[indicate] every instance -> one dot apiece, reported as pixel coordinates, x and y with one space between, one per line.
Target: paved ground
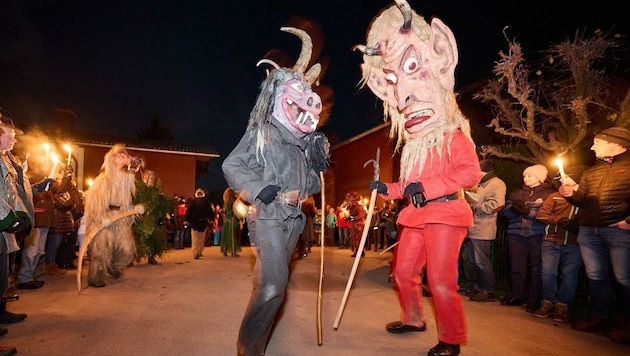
184 306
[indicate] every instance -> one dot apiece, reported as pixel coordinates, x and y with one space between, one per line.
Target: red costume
410 65
432 235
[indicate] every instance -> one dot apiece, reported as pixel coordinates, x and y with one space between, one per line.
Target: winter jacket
560 219
63 223
521 208
491 192
284 164
604 193
198 214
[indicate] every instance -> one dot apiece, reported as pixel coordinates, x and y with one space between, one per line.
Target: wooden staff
389 248
366 228
321 264
137 209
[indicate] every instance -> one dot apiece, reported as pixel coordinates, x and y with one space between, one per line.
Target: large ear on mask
444 52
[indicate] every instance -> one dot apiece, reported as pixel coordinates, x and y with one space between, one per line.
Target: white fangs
425 112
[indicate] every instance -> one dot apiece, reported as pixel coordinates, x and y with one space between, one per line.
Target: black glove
380 187
42 186
416 192
414 188
268 194
519 207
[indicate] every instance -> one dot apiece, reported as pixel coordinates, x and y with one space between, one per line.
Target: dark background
116 64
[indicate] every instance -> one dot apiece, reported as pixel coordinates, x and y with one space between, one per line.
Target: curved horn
268 61
307 48
313 73
404 7
368 51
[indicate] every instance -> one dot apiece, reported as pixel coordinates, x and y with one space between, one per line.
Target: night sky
116 64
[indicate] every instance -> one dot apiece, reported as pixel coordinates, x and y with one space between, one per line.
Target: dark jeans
467 271
565 260
521 250
601 248
483 264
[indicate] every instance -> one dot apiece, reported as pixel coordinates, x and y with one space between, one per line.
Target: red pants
437 247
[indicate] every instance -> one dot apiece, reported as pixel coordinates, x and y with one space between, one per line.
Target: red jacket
440 177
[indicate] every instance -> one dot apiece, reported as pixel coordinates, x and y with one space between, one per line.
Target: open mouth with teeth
302 119
417 117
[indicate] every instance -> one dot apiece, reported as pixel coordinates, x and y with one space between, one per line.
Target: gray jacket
284 165
491 191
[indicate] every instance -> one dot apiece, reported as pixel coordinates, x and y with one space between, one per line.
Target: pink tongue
415 121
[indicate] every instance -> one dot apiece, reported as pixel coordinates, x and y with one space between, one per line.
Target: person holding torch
604 231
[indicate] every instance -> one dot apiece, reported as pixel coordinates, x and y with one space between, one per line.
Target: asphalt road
184 306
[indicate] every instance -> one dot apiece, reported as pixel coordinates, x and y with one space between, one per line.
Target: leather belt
449 197
290 199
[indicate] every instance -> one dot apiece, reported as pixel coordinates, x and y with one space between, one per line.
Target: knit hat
538 170
486 165
618 135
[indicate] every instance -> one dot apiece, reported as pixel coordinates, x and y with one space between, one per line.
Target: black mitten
42 186
380 187
268 194
519 207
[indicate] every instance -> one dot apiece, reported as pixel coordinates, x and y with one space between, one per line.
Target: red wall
176 172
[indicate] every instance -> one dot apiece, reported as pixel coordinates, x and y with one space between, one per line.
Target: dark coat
604 192
198 214
524 222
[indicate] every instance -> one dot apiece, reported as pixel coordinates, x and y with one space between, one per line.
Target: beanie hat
486 165
538 170
618 135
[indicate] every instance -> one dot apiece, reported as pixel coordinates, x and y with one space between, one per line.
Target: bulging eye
297 86
410 65
391 78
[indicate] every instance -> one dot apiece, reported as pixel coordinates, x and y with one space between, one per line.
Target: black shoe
397 327
444 349
196 257
512 302
6 317
9 298
30 285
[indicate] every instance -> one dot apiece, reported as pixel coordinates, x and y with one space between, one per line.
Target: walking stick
366 229
321 264
389 248
106 222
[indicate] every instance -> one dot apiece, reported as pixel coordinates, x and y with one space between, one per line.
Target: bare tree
549 106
